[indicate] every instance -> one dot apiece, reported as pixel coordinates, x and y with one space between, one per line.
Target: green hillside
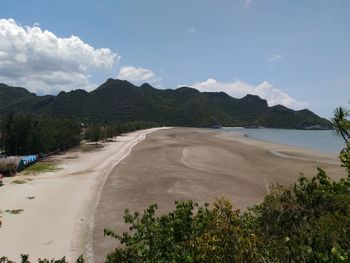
121 101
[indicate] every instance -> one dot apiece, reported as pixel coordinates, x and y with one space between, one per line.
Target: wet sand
198 164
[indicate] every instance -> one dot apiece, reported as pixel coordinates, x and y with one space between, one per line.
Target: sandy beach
198 164
63 213
53 212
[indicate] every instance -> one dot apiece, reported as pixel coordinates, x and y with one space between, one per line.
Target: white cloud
239 89
44 63
275 57
137 75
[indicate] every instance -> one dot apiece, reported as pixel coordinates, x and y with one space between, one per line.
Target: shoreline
285 150
246 132
88 256
198 164
55 209
64 216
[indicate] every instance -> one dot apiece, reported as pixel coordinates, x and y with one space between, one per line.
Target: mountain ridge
120 101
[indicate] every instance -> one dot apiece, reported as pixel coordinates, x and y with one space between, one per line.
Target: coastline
324 141
285 150
201 165
55 209
71 206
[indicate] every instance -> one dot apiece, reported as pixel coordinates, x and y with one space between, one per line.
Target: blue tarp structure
29 159
12 164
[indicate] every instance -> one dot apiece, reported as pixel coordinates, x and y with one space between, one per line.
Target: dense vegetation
25 134
22 134
118 101
308 221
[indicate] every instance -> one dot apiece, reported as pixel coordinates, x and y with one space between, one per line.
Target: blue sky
294 53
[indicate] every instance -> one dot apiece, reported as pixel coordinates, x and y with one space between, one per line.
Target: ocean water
324 141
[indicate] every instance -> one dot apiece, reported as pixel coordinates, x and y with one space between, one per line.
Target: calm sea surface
324 141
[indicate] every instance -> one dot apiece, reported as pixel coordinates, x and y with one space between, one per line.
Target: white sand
58 221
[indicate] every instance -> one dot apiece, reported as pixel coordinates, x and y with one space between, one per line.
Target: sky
294 53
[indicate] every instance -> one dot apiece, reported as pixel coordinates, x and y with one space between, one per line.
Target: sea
320 140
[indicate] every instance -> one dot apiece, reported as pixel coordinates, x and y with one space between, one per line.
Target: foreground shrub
191 233
306 222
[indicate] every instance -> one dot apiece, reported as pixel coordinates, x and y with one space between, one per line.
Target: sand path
55 210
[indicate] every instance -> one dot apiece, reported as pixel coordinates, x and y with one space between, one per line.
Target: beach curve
197 164
56 208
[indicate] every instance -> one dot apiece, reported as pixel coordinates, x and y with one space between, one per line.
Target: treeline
22 134
99 132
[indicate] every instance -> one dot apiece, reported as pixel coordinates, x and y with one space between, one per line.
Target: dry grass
41 167
71 157
14 211
19 181
91 147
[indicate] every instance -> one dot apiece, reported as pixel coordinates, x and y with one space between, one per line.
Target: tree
23 134
341 123
96 133
111 131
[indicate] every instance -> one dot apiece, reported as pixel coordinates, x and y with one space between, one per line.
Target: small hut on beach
11 165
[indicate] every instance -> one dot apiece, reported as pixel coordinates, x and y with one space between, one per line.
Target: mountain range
120 101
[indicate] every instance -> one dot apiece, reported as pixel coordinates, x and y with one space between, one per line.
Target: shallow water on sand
324 141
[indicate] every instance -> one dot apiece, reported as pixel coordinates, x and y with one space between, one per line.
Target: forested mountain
121 101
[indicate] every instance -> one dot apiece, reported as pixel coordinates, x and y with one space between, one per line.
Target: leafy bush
306 222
